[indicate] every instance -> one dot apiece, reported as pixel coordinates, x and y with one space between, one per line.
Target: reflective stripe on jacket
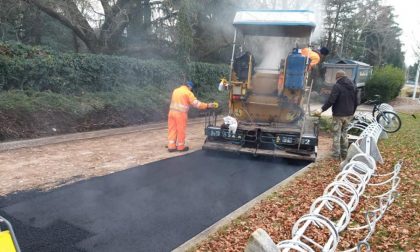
183 98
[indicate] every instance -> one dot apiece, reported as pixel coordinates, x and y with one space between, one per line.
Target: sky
408 18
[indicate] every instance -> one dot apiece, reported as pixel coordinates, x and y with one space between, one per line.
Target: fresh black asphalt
154 207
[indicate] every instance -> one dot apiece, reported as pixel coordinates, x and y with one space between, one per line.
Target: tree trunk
333 32
139 22
76 22
76 45
37 28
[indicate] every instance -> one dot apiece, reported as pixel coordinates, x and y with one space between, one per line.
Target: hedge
39 69
387 82
43 92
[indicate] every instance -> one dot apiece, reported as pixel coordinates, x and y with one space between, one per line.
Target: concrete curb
85 135
190 244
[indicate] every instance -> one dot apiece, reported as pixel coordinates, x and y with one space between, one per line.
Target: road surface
153 207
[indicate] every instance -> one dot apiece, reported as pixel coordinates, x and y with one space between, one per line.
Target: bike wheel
390 121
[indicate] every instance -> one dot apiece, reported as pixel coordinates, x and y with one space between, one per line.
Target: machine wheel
390 121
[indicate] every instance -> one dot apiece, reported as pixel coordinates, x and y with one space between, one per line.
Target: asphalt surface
154 207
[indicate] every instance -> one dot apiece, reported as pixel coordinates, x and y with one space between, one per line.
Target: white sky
409 20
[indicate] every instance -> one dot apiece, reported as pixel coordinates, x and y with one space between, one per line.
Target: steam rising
269 51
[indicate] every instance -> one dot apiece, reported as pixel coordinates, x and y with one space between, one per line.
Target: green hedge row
387 82
149 103
33 68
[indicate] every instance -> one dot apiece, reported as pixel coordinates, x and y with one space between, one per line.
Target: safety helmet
190 84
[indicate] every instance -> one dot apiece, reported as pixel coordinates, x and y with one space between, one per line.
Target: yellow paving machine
268 88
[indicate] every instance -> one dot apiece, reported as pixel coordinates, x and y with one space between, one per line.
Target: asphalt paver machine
268 88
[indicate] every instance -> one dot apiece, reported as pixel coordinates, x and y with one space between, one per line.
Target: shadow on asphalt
154 207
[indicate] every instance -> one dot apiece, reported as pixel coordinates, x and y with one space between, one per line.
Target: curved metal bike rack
330 214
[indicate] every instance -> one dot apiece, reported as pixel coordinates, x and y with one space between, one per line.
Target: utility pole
416 81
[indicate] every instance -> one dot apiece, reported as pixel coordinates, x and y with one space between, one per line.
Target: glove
213 105
317 112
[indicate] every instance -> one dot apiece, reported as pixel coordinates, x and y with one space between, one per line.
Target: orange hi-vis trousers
177 127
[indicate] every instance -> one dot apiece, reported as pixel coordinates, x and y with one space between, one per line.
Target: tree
72 14
411 71
338 15
212 30
19 22
363 30
102 26
204 31
185 35
382 39
11 20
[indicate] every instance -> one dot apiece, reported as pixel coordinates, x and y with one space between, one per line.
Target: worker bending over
182 99
314 56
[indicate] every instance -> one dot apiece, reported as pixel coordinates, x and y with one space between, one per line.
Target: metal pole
416 82
306 108
232 60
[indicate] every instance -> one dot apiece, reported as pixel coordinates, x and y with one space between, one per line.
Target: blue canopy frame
280 23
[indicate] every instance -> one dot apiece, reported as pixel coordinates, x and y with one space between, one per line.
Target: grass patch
326 124
149 99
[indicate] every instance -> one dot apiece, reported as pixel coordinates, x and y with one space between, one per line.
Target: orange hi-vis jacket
182 99
313 56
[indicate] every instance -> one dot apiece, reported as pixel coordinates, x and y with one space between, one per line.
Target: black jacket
343 98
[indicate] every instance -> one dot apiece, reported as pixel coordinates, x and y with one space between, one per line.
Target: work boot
186 148
171 150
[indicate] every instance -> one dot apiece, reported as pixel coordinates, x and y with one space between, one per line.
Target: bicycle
385 115
382 113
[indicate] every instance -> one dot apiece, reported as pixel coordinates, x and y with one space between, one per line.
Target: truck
268 88
359 72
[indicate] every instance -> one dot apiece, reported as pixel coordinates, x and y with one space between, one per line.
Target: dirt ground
406 105
49 166
53 165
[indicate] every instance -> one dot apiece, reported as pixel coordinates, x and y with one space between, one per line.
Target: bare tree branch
79 25
106 7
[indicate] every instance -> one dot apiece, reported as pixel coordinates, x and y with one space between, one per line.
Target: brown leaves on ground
398 230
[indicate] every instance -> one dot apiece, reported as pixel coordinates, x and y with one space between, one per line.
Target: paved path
154 207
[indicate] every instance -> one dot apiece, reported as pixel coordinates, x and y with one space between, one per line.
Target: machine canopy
279 23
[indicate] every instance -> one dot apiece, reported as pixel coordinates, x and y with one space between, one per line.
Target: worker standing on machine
182 99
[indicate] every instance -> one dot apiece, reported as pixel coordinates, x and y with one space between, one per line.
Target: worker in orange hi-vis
182 100
314 55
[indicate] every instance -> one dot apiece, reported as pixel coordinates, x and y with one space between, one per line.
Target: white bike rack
330 214
362 120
